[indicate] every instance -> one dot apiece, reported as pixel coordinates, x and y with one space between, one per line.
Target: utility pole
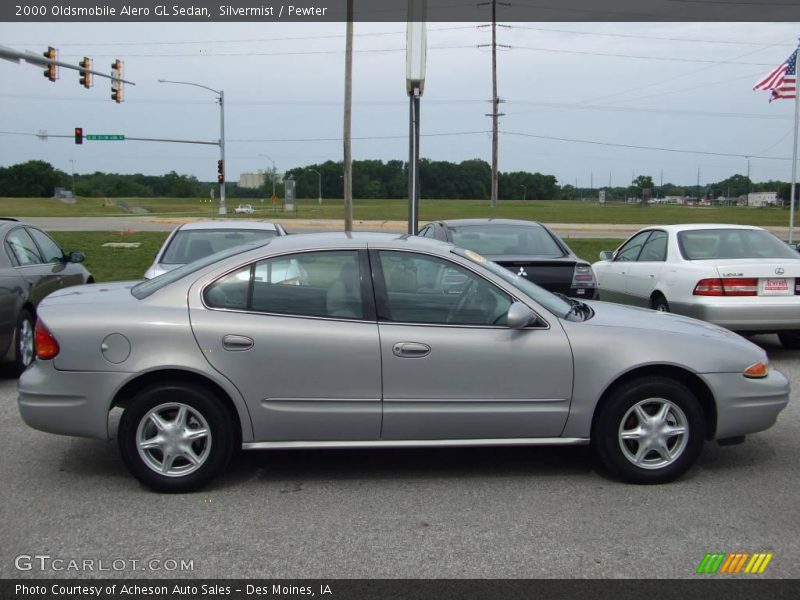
698 184
72 163
496 101
348 100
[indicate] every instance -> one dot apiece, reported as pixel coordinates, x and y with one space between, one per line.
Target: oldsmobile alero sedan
374 347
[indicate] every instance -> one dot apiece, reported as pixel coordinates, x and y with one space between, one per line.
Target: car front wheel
23 342
649 431
175 437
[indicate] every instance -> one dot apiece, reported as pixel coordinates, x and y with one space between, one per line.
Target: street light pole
72 162
524 191
221 99
319 176
273 172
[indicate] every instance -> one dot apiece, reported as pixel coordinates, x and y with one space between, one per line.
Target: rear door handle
237 343
411 350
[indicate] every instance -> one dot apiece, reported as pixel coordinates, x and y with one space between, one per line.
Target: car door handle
411 350
237 343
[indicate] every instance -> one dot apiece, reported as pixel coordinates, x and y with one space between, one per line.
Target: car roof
340 239
695 226
467 222
229 224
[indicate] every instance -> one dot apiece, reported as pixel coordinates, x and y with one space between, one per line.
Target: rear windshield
147 287
190 245
709 244
497 239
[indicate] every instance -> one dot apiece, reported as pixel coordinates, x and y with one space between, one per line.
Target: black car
527 248
31 266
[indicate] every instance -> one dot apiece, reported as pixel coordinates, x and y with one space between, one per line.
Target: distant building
674 199
252 180
759 199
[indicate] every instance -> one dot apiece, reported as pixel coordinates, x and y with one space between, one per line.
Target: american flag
781 82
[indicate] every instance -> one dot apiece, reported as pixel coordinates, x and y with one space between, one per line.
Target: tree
32 179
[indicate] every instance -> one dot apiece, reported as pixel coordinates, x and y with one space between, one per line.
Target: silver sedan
375 347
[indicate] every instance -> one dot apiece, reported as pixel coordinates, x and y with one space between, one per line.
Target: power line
641 57
626 109
284 53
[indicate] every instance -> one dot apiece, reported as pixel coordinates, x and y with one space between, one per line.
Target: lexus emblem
522 272
779 271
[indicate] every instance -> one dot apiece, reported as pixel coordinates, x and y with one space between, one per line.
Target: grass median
122 264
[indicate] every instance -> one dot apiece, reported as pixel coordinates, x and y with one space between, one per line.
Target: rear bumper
46 405
747 405
740 314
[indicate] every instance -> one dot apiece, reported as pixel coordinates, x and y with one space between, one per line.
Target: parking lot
496 513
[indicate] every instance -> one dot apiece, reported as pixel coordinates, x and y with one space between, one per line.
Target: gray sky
284 81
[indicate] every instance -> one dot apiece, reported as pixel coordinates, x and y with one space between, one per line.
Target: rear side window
655 250
707 244
631 250
317 284
21 249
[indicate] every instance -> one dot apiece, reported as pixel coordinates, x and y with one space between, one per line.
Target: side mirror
519 315
606 255
76 257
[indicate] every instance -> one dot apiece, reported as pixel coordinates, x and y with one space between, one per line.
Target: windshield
493 239
189 245
550 301
707 244
145 288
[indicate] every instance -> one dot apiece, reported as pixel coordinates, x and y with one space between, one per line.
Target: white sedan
244 209
740 277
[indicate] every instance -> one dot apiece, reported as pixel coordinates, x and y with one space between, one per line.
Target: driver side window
426 289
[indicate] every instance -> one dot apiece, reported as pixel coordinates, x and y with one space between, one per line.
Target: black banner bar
747 587
396 10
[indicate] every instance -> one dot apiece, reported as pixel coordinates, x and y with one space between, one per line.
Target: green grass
121 264
548 211
112 264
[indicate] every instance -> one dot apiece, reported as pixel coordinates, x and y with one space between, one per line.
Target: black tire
23 341
660 303
618 411
790 339
215 450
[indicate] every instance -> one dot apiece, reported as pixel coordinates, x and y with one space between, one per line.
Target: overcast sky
285 82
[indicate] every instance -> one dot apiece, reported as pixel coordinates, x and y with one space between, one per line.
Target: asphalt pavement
496 513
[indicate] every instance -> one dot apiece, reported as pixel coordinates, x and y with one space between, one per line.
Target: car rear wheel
23 341
660 303
649 431
790 339
175 437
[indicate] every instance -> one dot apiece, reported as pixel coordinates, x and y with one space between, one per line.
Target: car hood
608 314
117 292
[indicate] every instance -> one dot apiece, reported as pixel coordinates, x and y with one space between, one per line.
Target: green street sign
113 137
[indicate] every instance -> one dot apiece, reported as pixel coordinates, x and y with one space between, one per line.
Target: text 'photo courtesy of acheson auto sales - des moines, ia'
413 341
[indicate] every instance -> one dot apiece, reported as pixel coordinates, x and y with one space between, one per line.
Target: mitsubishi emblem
522 272
779 271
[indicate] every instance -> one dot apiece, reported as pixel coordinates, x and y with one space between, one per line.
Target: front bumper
743 314
67 402
747 405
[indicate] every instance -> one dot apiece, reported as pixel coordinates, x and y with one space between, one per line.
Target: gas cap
115 348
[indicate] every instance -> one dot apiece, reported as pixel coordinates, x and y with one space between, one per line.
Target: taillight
728 286
45 343
583 276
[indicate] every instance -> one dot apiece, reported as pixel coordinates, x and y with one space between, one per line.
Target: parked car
192 241
526 248
32 265
740 277
372 350
244 209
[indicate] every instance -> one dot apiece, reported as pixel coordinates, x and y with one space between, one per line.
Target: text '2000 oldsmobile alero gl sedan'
372 349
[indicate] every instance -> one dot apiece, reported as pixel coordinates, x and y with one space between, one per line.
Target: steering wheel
463 299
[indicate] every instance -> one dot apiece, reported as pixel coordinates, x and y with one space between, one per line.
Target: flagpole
794 146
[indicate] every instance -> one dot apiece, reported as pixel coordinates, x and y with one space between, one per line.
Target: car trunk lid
554 274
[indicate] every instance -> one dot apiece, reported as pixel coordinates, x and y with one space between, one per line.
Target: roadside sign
106 137
602 197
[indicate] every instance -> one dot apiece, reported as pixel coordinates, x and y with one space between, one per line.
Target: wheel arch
655 294
691 380
126 393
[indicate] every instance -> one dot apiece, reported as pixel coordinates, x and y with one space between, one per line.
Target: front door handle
411 350
237 343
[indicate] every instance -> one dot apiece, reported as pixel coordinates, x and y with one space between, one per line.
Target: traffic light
86 76
79 135
116 81
221 171
51 71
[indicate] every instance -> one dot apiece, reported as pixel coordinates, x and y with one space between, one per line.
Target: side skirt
553 441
